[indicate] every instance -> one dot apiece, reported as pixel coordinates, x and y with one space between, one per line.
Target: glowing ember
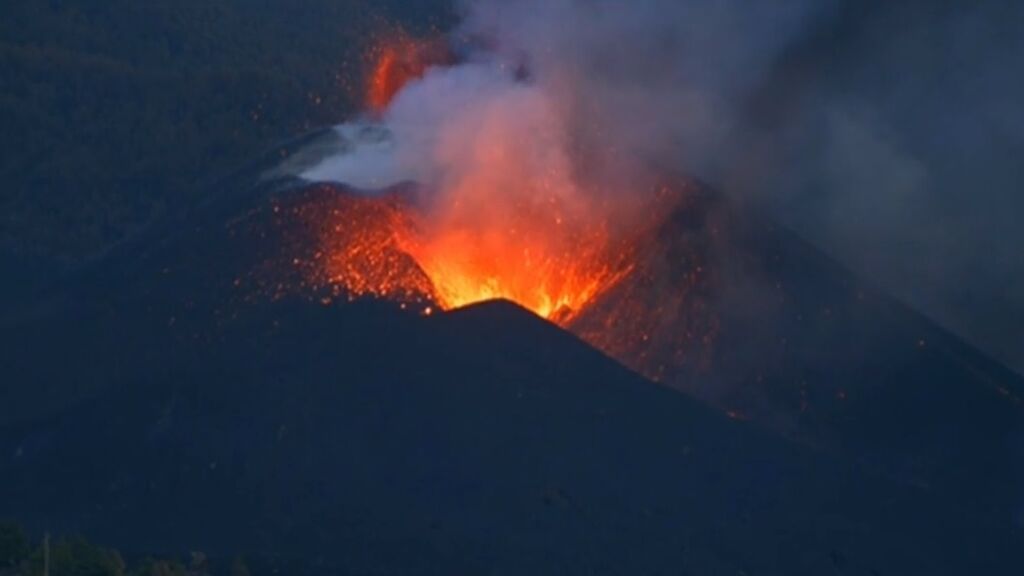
397 60
535 259
507 209
659 320
364 255
503 217
637 295
384 247
349 247
544 258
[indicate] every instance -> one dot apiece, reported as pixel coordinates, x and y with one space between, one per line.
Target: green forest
76 556
113 112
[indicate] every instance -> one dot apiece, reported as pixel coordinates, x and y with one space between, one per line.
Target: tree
77 557
238 567
153 567
14 546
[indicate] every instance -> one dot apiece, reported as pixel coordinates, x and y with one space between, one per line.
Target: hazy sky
891 134
895 139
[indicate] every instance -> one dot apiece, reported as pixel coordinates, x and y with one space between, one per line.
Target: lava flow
504 211
382 247
640 294
397 59
539 256
385 247
506 220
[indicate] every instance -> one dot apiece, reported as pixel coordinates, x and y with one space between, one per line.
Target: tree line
112 111
76 556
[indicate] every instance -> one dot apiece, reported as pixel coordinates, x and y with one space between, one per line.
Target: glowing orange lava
507 221
384 247
633 293
535 260
508 211
397 60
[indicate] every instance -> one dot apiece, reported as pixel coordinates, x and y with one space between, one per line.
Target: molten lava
363 251
504 217
395 61
384 247
534 257
505 208
641 293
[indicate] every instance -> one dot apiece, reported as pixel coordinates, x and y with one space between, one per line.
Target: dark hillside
162 408
114 112
365 440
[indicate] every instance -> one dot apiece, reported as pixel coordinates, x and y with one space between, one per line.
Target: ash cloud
652 78
889 134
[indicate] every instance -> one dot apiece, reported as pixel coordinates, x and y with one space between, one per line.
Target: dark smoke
890 134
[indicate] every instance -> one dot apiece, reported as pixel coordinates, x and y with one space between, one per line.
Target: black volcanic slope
155 406
483 441
804 348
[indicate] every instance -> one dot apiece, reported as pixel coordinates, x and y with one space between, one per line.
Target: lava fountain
501 213
507 204
396 59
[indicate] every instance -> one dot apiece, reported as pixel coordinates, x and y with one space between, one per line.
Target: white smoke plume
887 133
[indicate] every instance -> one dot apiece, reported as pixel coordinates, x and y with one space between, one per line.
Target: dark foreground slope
771 329
212 82
164 401
366 440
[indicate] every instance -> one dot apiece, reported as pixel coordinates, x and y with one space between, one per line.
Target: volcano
714 300
276 374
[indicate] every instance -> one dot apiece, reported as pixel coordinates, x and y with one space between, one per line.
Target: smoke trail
652 78
888 134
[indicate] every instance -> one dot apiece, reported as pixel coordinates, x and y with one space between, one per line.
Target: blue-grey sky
890 134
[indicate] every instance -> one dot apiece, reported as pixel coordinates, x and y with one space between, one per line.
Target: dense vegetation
114 111
76 556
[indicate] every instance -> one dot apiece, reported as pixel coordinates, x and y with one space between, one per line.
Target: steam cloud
891 135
